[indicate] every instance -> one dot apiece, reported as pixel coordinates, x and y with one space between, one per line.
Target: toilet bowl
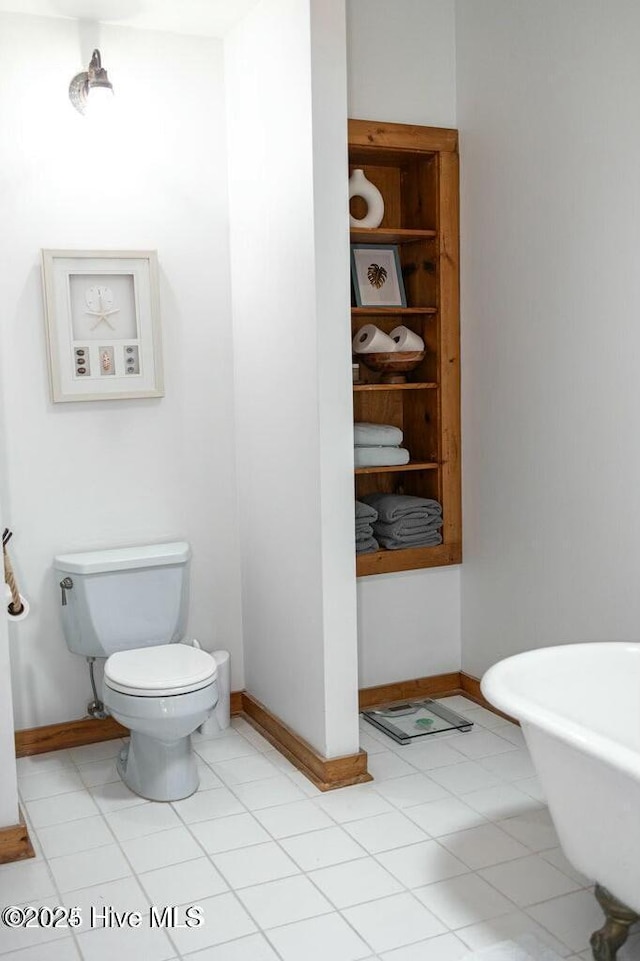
129 606
162 694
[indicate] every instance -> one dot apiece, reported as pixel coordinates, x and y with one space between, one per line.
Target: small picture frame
377 276
103 324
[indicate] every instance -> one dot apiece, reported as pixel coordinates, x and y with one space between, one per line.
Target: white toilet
130 606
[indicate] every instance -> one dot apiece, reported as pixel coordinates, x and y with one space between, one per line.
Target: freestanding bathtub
579 707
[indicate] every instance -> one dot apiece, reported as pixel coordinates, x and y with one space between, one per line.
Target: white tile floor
448 851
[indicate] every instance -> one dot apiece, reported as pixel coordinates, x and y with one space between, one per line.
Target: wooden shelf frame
431 229
389 235
391 311
398 469
415 385
410 559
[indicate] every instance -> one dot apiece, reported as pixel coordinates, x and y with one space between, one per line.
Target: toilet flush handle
65 585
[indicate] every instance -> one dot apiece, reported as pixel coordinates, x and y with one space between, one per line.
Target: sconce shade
83 83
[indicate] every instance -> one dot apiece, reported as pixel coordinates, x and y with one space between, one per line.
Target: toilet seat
160 671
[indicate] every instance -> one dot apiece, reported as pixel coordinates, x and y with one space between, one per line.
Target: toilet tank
124 598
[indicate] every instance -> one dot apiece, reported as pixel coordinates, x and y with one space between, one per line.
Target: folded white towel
380 456
376 435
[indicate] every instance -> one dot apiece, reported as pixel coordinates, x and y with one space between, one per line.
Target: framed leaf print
377 276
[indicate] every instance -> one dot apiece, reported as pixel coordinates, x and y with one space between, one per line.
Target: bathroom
549 208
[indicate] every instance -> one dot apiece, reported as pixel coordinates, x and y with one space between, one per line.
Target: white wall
286 88
401 61
401 67
8 783
89 475
409 625
551 300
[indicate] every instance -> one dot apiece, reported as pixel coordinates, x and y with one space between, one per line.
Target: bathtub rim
495 687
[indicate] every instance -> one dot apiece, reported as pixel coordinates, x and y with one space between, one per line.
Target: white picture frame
376 274
102 319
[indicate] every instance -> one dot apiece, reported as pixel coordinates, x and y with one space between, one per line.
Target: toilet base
159 770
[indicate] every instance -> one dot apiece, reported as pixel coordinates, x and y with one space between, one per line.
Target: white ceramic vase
359 186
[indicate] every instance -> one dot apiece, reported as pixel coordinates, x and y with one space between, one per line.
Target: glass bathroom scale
413 719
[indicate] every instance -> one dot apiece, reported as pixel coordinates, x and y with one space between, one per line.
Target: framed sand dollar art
103 324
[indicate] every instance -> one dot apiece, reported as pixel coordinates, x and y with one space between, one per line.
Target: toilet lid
160 671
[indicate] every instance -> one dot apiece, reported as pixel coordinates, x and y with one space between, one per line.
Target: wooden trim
15 844
438 685
236 702
326 773
449 350
87 730
57 737
470 687
401 136
409 559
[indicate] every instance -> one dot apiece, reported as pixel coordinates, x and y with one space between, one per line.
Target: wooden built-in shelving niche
416 170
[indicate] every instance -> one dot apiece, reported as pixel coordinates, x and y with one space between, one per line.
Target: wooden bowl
393 365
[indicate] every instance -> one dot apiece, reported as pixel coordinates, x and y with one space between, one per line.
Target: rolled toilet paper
221 717
371 340
406 339
223 707
20 616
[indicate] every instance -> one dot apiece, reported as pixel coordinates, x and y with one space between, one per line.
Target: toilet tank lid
123 558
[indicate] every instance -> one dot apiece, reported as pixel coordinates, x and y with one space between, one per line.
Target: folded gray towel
368 546
366 512
363 534
376 435
380 456
364 527
392 507
409 527
421 540
408 539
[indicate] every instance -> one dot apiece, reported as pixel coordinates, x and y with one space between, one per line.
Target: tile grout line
58 893
315 800
470 871
302 873
209 857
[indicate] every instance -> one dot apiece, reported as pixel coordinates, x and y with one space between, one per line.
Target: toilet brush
15 606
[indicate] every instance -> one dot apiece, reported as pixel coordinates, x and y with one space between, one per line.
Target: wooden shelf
412 465
416 171
412 558
372 141
371 311
415 386
388 235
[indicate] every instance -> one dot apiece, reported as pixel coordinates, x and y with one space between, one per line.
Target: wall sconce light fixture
93 81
